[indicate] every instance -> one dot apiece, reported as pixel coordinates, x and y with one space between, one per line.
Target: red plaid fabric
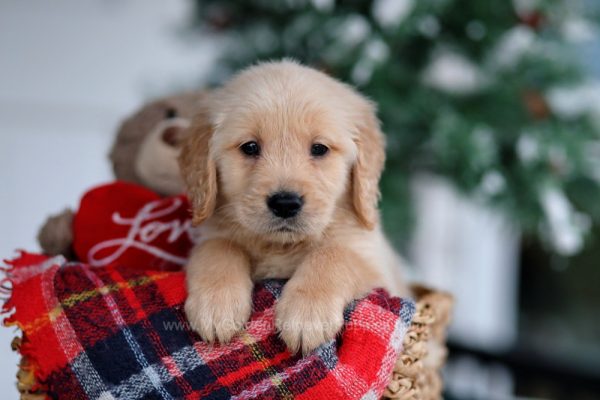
117 333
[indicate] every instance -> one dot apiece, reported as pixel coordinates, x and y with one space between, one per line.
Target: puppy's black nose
285 204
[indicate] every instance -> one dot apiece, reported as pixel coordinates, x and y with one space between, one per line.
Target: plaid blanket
117 333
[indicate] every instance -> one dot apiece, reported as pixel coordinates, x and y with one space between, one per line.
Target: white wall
69 71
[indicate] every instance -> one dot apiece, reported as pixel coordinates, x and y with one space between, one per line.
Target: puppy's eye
170 113
318 150
251 149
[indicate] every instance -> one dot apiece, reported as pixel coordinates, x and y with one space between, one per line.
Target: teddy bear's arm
56 235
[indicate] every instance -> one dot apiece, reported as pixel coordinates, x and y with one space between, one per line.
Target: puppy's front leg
219 290
310 311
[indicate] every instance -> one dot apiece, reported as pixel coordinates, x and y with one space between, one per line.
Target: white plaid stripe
260 329
391 355
347 378
368 316
349 381
135 347
82 367
257 390
136 386
370 395
188 359
24 273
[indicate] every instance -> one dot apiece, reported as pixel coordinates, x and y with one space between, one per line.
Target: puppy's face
283 147
283 165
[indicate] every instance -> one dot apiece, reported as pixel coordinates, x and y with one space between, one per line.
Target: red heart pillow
124 224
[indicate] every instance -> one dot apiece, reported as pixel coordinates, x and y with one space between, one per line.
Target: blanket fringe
28 377
27 383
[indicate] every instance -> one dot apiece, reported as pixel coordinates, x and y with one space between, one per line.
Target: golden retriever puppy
282 169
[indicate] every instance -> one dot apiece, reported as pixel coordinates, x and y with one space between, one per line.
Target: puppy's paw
306 321
218 314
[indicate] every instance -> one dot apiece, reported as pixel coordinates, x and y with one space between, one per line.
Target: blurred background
492 115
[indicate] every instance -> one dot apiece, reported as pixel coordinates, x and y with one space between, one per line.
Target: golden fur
333 251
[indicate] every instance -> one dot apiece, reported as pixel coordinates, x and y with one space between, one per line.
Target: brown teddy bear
145 152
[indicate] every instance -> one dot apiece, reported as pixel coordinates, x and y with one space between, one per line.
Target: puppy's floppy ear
198 168
367 169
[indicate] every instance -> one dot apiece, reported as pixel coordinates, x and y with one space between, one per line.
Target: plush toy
144 152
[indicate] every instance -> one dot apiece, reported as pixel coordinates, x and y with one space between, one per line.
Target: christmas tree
491 95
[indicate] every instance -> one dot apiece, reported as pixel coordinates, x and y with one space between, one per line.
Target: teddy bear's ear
198 168
129 139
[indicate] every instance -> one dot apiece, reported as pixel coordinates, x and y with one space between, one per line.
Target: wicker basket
416 375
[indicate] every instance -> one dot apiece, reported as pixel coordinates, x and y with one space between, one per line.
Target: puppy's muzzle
285 204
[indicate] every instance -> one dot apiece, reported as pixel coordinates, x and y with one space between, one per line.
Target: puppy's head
280 148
